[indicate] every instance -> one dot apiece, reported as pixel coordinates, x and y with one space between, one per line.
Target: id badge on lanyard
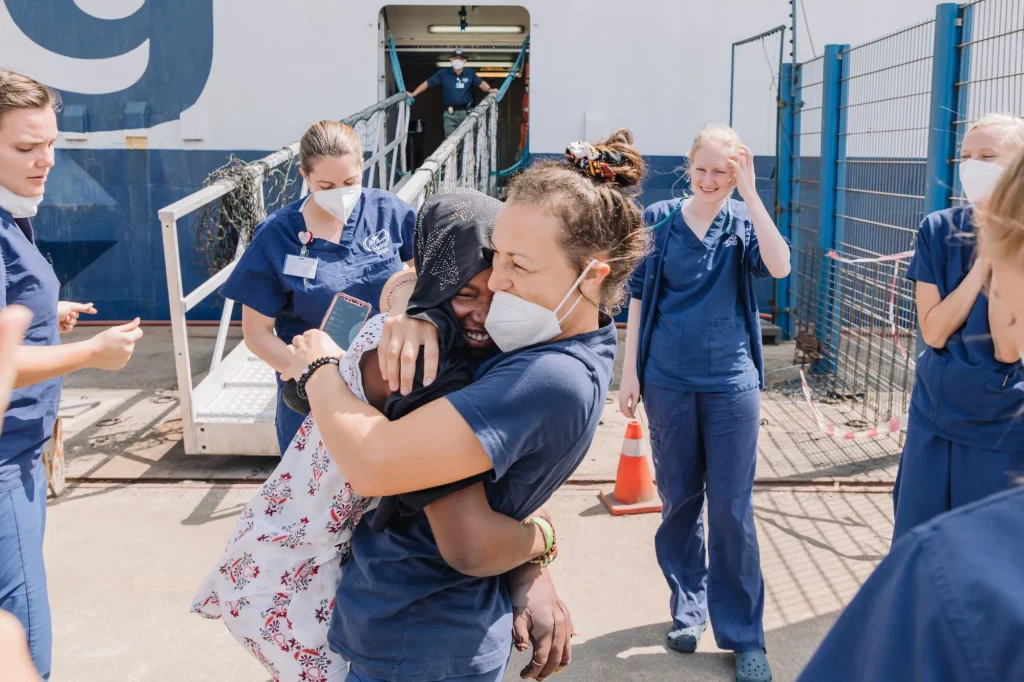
302 265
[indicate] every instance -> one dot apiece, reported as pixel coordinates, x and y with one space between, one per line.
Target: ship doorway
425 37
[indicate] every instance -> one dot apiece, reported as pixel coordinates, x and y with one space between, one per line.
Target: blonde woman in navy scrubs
340 238
693 351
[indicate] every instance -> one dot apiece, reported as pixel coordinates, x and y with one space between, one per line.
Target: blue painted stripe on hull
99 222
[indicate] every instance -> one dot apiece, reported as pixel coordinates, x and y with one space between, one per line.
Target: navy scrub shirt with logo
457 87
376 241
401 612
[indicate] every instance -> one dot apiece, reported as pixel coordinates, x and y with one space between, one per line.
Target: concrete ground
124 562
129 542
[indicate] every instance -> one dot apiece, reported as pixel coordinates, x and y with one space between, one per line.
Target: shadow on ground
637 655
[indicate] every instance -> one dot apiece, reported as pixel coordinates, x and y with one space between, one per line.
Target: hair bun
611 161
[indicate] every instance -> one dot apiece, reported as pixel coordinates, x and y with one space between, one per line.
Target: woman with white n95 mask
947 603
342 237
401 614
962 441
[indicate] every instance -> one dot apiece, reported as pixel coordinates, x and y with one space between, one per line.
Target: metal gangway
231 411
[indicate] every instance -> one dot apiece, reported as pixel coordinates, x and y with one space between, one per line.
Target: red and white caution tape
875 259
894 425
896 258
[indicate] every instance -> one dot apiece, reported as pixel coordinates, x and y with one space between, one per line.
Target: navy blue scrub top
946 604
962 393
376 240
457 88
26 278
700 340
402 613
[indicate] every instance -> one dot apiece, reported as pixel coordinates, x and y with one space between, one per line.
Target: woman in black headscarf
275 577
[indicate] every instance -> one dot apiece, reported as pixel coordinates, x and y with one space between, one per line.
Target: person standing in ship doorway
457 82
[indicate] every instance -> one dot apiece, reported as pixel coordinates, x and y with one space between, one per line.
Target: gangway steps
240 397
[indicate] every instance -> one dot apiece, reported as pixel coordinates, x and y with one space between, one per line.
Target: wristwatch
300 385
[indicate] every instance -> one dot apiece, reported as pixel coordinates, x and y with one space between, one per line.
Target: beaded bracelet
550 541
300 385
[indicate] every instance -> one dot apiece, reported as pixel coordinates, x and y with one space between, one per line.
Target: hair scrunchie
595 161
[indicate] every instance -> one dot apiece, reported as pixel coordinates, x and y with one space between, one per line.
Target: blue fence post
831 101
942 115
784 182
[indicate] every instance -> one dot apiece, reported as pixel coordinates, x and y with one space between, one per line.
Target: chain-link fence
876 129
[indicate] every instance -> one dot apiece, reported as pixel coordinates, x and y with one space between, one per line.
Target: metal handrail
420 185
181 303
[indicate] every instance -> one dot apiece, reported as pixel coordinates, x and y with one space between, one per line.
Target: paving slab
124 561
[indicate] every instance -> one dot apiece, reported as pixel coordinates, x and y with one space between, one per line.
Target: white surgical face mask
18 206
340 201
978 178
457 64
516 323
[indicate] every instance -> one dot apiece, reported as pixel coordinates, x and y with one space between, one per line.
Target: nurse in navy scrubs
693 353
340 238
28 130
963 443
564 245
947 603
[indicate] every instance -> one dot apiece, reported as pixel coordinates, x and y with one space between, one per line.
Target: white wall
660 67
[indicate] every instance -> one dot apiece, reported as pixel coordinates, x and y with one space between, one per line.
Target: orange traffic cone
634 489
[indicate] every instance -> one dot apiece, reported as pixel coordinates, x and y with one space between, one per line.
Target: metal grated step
246 396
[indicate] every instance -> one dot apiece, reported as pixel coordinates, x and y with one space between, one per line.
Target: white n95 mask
19 206
458 64
978 178
515 323
340 201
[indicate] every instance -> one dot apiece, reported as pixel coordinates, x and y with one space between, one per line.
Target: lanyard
730 220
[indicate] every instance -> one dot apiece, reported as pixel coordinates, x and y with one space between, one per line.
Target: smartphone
344 319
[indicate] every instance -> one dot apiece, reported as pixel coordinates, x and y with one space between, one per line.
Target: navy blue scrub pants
937 475
22 574
287 421
705 445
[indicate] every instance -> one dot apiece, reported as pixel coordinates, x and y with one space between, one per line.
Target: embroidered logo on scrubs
379 243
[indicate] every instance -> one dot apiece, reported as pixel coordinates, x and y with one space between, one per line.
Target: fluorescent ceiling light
479 65
492 74
455 28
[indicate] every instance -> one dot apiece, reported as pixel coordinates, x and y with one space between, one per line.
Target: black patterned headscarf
453 245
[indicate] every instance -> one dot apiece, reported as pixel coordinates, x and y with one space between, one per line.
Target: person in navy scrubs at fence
962 441
947 603
457 83
693 354
340 238
28 130
564 245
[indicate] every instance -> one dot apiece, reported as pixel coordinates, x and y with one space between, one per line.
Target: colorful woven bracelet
550 540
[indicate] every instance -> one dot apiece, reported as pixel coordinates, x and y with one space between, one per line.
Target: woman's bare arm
478 541
939 317
431 446
258 332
